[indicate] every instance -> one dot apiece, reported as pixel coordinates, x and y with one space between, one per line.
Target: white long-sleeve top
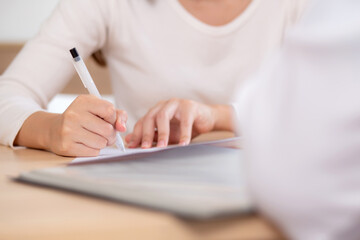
155 50
300 117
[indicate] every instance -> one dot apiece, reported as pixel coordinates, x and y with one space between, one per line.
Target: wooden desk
32 212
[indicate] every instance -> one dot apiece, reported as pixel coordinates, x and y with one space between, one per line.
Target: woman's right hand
88 125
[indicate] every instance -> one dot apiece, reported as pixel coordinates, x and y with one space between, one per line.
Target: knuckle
152 112
102 143
79 98
65 132
186 123
203 129
135 134
83 98
158 104
110 111
185 139
123 114
147 137
138 126
172 100
188 102
163 136
135 138
108 130
161 102
152 109
69 117
162 115
148 118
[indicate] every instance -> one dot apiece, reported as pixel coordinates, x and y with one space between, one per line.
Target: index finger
163 122
101 108
186 125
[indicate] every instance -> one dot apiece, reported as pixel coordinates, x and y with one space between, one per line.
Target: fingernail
182 143
161 143
145 144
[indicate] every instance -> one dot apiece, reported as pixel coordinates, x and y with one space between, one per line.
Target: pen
89 84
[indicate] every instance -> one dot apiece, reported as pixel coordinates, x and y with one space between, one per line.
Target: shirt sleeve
44 65
300 119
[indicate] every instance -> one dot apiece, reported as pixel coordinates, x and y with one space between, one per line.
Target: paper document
109 153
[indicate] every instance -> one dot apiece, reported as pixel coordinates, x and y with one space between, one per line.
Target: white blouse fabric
155 50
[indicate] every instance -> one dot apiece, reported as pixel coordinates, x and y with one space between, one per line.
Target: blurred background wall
21 19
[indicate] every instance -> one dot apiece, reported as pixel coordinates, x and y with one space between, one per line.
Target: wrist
224 118
36 130
48 121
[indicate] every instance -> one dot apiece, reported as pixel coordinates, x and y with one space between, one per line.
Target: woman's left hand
173 121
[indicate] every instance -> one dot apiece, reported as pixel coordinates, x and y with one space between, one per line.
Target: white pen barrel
88 82
86 77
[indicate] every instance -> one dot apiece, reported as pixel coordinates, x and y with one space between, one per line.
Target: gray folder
197 181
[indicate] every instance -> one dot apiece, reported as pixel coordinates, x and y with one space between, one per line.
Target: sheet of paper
108 153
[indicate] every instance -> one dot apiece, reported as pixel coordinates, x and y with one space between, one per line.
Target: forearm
35 131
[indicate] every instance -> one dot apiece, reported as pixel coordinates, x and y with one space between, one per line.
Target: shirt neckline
214 30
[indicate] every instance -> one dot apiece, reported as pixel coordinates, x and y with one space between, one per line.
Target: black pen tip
74 53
